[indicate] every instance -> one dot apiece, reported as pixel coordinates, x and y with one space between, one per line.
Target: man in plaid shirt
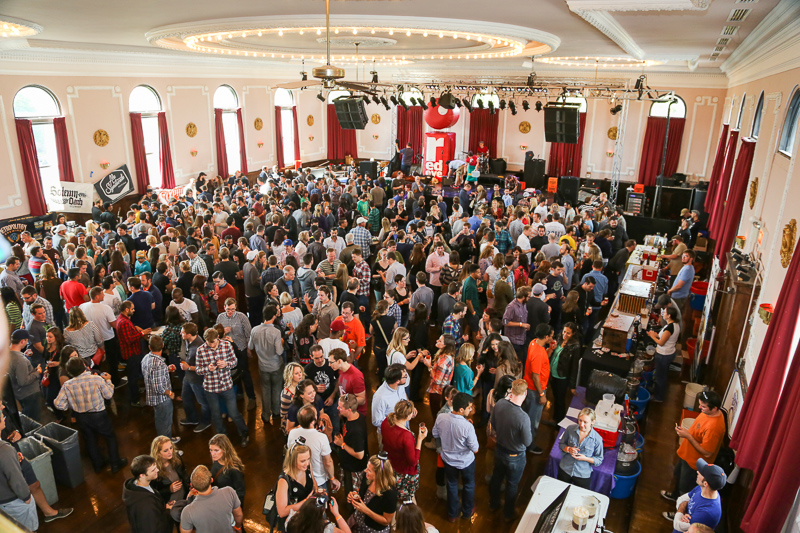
394 310
503 242
237 326
157 388
361 235
214 362
452 324
130 346
363 274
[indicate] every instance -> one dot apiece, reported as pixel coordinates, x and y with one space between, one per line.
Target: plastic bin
691 348
67 464
697 296
39 455
647 378
29 425
642 398
624 485
690 395
639 444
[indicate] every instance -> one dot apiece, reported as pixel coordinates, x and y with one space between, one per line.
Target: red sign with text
439 149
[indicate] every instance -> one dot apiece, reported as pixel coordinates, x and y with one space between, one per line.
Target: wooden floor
98 503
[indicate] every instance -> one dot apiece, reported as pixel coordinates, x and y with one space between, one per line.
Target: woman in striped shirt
292 375
83 335
13 308
441 367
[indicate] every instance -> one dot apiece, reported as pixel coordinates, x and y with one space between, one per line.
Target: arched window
225 98
789 130
677 109
756 128
145 100
574 100
333 95
741 112
40 106
485 97
284 102
406 97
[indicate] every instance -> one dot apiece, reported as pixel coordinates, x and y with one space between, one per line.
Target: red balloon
440 118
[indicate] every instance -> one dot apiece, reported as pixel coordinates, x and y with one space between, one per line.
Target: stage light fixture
479 101
374 76
404 104
320 97
376 99
305 76
365 98
640 85
467 105
447 100
433 101
457 102
393 99
525 105
538 106
513 107
502 104
616 109
413 101
492 110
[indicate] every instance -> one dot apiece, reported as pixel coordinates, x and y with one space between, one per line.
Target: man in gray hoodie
15 496
23 377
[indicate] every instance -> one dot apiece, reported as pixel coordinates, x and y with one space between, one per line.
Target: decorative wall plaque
100 137
753 192
375 118
612 133
310 120
258 124
524 126
191 129
787 242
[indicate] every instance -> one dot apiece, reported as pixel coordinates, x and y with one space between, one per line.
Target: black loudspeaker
561 124
497 166
534 174
528 155
351 113
568 187
369 168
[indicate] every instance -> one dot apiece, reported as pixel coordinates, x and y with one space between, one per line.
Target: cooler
649 273
607 422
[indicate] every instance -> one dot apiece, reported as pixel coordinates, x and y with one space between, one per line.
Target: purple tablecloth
602 480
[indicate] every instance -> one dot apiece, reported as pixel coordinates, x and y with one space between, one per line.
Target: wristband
338 517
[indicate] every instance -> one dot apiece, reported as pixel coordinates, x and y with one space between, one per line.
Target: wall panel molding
14 200
171 92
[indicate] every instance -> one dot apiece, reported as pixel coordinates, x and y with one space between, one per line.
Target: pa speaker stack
351 113
561 123
568 187
369 168
534 174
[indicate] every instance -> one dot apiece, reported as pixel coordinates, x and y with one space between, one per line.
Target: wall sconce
765 311
104 164
609 154
523 147
375 137
310 137
193 152
260 143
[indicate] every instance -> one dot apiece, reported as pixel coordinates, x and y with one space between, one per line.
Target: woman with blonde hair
48 286
302 241
581 450
295 483
173 479
464 378
340 281
402 448
375 503
292 375
396 351
85 337
227 469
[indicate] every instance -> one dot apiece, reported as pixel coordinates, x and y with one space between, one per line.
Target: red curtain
296 135
653 148
222 155
30 167
409 127
770 418
242 150
483 127
279 137
139 157
721 190
565 158
716 171
62 146
167 173
340 142
733 206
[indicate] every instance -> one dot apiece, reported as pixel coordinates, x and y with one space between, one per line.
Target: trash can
624 485
39 456
29 425
697 295
690 395
67 464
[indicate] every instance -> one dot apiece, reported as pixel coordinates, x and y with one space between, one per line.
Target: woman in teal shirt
564 368
464 379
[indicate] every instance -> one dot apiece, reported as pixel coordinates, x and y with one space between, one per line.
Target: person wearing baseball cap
538 312
701 505
361 235
335 341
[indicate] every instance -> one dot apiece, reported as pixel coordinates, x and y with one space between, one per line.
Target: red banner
439 149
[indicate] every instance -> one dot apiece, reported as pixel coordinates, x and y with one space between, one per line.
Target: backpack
726 457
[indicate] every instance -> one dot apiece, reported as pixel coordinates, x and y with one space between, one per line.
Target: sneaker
175 440
668 495
245 441
536 450
62 513
202 427
122 382
136 404
668 516
186 422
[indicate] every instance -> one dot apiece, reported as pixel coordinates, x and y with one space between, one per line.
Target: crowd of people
483 303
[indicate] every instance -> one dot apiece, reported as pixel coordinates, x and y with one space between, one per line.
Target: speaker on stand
534 175
369 168
568 187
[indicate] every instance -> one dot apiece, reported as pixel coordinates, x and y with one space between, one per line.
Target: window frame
287 123
741 112
230 126
671 114
152 149
755 127
790 124
50 174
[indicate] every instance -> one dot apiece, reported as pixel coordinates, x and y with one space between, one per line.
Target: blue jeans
163 413
191 392
509 467
451 475
534 413
32 406
271 385
661 375
363 300
228 397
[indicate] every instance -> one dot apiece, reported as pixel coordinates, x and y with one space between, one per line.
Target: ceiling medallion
12 28
258 124
753 192
375 118
100 137
191 129
524 126
612 133
360 40
787 243
310 120
601 62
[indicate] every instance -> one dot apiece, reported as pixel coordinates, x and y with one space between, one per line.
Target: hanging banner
12 228
69 197
439 149
115 186
165 195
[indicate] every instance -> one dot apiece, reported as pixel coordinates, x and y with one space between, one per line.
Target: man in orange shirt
537 374
701 441
354 334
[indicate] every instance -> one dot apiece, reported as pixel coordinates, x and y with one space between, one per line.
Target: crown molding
609 27
637 5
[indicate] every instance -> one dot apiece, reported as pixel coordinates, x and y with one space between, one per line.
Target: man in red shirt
536 375
351 380
482 148
354 334
73 291
130 347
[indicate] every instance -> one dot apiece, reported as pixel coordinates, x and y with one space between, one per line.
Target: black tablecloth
609 363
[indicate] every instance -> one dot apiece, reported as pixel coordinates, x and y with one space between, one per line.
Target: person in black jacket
173 479
227 469
616 267
564 368
147 511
